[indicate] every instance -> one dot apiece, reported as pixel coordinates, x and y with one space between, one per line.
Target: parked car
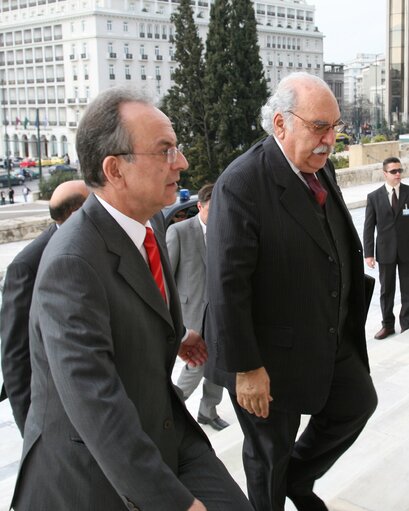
27 162
31 173
56 160
14 180
62 168
184 207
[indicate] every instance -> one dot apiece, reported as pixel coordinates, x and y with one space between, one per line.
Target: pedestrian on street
11 196
3 198
285 324
26 191
387 210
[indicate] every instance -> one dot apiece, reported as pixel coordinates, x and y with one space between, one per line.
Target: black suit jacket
16 301
392 232
273 280
104 411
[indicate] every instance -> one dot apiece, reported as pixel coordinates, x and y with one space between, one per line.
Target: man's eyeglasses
318 127
394 171
170 154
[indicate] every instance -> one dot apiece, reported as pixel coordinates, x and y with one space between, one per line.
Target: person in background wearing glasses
388 210
106 428
285 321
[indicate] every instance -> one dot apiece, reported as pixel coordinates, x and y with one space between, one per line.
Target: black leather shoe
308 502
217 423
384 333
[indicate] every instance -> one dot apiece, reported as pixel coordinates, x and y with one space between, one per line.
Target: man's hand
370 261
193 350
197 506
253 391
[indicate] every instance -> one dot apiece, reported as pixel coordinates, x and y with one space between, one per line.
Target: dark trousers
276 465
387 278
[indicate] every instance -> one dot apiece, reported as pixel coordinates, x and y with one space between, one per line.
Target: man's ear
279 127
112 172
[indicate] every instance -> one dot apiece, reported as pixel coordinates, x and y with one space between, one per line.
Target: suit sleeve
369 228
81 353
15 355
232 254
173 244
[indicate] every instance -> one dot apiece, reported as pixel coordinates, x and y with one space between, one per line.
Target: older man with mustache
287 305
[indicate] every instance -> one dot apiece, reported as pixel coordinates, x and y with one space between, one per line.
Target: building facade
56 55
334 77
397 61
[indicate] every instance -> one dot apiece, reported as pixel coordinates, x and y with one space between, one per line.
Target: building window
127 73
111 71
125 26
83 25
109 25
141 29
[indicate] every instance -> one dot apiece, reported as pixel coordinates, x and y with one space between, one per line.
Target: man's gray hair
101 131
285 98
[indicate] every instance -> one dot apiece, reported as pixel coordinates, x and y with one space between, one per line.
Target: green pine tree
248 76
184 103
234 78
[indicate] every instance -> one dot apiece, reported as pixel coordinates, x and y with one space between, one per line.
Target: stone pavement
372 476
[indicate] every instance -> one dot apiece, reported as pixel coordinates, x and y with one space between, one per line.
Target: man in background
186 243
16 301
387 210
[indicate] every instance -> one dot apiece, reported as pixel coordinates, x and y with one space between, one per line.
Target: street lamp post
6 137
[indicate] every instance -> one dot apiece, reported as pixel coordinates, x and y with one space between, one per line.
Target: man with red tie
387 210
286 315
106 428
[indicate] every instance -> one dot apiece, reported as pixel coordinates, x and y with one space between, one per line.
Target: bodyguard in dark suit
106 428
388 210
16 301
285 320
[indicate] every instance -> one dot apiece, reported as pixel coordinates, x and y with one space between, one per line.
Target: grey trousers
189 379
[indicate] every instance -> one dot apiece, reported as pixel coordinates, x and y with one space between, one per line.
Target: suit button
330 259
332 330
167 424
334 294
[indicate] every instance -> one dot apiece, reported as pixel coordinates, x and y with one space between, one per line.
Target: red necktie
320 194
155 266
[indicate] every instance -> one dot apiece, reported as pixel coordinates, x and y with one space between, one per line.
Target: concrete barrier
24 228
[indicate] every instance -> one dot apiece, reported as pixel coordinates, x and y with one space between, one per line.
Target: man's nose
329 137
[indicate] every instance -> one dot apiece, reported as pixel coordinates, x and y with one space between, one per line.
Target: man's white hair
285 98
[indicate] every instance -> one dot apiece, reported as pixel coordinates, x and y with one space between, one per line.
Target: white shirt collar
389 188
134 229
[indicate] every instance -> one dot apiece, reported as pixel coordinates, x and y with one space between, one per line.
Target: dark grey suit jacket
392 232
100 432
273 280
16 301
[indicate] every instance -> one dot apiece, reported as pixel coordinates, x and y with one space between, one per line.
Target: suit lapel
131 265
293 196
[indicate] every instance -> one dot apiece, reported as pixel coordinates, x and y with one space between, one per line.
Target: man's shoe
308 502
217 423
384 333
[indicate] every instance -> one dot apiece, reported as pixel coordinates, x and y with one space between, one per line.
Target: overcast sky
350 27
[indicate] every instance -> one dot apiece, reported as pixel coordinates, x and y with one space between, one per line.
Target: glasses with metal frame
394 171
170 154
318 127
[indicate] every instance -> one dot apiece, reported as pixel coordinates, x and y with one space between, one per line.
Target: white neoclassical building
56 55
